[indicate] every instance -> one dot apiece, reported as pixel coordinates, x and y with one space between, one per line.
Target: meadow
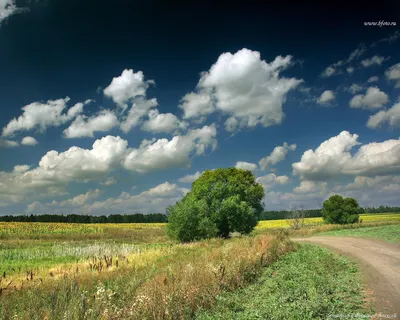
133 271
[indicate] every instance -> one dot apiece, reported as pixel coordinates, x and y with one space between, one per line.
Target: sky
117 107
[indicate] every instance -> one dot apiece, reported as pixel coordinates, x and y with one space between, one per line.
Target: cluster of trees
284 214
76 218
380 209
312 213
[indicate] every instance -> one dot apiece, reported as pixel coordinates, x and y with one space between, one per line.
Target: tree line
312 213
161 217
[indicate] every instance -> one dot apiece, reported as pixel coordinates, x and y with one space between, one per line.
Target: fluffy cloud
244 87
127 86
311 187
84 126
326 97
196 105
393 74
190 178
7 8
162 122
278 154
373 60
350 70
271 179
390 116
38 115
21 168
373 99
153 200
5 143
246 165
29 141
372 191
164 153
137 112
373 79
57 169
333 158
77 204
354 88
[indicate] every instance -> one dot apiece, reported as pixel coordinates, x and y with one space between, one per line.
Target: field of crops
37 229
365 218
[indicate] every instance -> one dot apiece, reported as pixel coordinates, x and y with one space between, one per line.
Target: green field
390 233
311 283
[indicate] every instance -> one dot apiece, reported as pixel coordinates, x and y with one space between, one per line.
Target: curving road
380 265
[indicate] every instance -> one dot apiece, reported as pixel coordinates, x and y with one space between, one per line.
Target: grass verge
390 233
311 283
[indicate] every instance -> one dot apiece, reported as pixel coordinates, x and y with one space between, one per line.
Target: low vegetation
311 283
390 233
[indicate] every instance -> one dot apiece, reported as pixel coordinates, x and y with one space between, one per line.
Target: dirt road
380 265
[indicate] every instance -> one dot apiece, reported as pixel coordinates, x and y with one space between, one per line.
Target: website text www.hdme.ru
380 23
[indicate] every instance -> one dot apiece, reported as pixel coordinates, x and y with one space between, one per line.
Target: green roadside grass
390 233
310 283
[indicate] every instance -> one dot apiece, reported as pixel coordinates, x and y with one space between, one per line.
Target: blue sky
117 109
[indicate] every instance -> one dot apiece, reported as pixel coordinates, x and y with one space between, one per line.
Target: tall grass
169 282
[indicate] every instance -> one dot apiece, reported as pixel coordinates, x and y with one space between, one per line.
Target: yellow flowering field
270 224
131 225
44 228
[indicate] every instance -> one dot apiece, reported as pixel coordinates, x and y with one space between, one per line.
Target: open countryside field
366 218
120 271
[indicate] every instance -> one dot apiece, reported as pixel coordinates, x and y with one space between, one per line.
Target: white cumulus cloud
84 126
393 74
246 165
190 178
162 122
29 141
127 86
164 153
373 99
333 158
244 87
277 155
326 97
40 115
390 116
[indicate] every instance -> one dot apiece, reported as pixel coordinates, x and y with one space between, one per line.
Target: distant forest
161 217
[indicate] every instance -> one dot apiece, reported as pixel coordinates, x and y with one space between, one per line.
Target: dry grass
170 282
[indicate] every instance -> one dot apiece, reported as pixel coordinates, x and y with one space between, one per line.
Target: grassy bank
311 283
390 233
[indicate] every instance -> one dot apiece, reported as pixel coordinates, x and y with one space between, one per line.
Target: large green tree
221 201
340 211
